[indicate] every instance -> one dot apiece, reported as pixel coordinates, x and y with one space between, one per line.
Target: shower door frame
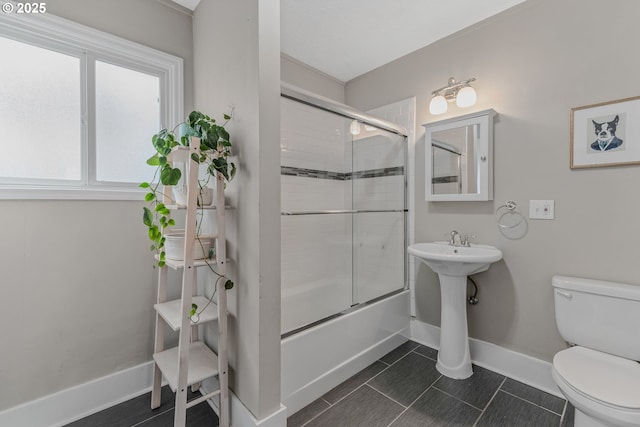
304 97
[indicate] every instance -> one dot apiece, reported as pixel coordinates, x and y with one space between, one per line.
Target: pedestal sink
453 264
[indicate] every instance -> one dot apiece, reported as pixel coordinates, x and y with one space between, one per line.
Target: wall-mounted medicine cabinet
459 158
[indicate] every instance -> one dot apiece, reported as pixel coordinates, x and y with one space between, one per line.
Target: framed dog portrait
606 134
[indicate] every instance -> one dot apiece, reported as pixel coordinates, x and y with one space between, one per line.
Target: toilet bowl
600 386
600 375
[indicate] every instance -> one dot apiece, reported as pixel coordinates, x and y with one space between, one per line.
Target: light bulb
466 97
438 105
354 128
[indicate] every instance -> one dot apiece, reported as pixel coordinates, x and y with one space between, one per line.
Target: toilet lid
610 379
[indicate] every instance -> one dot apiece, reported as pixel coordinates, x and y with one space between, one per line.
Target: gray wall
533 64
147 22
237 62
78 284
76 295
305 77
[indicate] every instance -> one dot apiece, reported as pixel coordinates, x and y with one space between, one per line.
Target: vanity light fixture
460 92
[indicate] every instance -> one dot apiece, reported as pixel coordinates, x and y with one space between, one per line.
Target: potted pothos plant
215 149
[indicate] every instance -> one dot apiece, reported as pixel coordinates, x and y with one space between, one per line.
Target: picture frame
605 134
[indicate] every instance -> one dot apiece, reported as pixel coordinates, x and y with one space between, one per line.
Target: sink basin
453 264
443 258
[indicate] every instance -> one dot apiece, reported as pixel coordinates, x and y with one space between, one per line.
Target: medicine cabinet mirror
459 158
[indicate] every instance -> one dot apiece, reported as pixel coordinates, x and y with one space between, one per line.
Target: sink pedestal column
454 360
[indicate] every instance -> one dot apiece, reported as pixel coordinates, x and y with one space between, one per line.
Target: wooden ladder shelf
192 361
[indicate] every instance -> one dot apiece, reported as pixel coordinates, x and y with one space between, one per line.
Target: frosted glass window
77 113
127 115
40 110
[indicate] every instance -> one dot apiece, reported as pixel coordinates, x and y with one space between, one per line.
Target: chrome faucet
463 239
452 242
466 239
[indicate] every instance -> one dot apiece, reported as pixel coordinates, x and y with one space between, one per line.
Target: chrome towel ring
510 208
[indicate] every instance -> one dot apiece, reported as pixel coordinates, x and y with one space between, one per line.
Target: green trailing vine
215 148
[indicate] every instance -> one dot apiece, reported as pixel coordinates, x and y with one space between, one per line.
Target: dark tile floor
137 412
404 389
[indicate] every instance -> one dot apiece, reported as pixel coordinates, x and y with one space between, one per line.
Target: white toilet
600 375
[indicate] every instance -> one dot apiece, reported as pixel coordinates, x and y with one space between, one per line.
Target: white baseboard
240 415
518 366
72 404
77 402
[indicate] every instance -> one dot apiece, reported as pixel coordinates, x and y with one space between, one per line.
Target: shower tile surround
341 176
318 172
403 389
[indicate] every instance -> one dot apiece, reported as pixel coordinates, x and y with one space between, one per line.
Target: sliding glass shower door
343 214
378 223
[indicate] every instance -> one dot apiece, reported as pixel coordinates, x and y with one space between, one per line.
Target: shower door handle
337 211
341 211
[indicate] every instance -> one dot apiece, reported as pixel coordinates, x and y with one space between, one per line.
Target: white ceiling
189 4
347 38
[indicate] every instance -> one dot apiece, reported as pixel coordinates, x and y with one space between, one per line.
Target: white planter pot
205 198
174 246
180 195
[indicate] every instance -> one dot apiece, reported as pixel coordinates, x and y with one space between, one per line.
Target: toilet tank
600 315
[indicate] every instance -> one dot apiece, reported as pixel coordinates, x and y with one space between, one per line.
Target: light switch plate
541 209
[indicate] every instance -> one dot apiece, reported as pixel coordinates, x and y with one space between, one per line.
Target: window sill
70 193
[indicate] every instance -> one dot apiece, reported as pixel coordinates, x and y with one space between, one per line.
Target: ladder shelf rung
203 364
202 398
183 207
179 264
170 311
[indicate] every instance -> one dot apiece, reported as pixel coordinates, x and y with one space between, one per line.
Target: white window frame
58 34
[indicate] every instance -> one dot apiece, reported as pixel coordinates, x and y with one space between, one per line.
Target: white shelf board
182 207
179 264
181 231
203 364
179 153
170 311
